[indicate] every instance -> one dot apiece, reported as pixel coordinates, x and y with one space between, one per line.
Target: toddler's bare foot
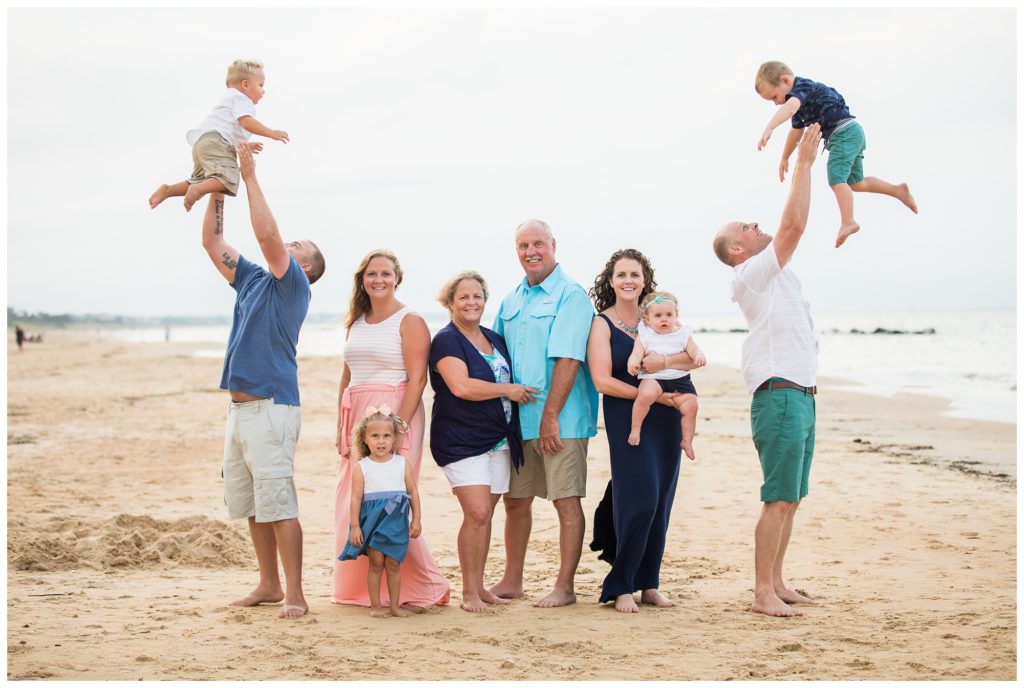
626 604
378 612
160 195
906 198
654 596
688 449
412 609
191 196
634 438
399 611
845 231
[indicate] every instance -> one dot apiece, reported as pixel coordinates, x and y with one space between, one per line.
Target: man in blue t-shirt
545 322
261 375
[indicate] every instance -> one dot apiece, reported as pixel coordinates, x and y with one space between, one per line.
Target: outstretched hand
807 149
764 139
246 163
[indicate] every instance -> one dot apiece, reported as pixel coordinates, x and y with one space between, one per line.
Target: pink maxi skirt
423 584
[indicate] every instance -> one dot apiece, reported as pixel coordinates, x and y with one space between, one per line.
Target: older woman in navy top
474 424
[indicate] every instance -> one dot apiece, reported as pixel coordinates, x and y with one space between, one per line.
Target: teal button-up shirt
541 324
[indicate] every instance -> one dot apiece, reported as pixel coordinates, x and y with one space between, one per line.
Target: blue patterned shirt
819 104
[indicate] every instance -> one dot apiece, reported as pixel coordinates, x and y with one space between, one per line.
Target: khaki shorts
215 158
551 477
259 460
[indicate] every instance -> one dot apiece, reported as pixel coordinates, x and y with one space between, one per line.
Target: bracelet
403 427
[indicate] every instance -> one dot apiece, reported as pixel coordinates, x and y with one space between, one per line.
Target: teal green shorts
846 155
782 423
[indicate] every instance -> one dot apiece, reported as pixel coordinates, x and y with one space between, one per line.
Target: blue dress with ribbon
384 520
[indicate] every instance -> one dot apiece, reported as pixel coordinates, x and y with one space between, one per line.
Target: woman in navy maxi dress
644 477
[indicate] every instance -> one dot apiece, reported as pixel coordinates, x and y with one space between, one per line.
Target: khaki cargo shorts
214 158
259 460
551 477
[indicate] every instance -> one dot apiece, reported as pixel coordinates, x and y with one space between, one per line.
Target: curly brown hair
360 301
602 293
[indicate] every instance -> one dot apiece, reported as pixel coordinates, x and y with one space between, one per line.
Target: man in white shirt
779 361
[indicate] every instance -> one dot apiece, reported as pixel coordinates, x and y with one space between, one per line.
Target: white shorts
259 458
492 468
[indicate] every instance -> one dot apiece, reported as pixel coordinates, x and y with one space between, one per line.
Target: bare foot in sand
506 591
378 612
626 604
634 438
845 231
792 596
159 196
411 608
556 598
403 612
293 611
654 596
688 450
473 603
490 598
772 606
259 596
191 196
906 198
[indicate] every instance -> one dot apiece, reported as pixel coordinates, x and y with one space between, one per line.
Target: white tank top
383 477
374 352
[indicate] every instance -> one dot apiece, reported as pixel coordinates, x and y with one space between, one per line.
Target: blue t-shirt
260 359
541 324
818 104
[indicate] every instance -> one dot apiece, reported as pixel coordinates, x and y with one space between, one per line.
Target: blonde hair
359 446
770 73
448 289
658 296
240 70
360 301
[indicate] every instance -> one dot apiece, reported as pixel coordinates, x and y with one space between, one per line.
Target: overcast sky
434 132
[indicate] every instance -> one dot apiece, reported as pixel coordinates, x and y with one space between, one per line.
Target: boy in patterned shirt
809 102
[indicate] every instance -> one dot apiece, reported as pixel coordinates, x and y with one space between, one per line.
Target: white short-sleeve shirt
669 343
782 341
224 118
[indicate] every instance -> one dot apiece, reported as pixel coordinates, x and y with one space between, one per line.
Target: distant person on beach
780 363
232 122
631 521
474 424
385 510
808 102
659 331
19 336
546 321
261 375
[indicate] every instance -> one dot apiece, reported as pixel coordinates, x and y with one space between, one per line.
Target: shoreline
121 561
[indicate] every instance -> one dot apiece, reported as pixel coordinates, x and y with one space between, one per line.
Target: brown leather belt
786 384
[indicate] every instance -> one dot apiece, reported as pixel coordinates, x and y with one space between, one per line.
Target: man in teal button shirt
545 322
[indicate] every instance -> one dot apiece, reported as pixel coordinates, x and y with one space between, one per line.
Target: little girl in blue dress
383 490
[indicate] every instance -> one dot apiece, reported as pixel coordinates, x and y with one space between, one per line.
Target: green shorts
782 423
846 155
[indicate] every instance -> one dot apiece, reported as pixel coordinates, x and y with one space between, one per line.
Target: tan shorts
259 460
551 477
214 158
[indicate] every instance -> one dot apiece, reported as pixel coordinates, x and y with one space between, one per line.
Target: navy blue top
460 428
260 359
818 103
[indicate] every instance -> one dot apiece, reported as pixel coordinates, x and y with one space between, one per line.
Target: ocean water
970 360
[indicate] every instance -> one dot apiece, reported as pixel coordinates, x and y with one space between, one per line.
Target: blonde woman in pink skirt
386 349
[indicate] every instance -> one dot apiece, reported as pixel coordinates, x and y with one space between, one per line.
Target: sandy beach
121 561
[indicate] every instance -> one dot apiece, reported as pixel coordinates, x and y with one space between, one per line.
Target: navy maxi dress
643 484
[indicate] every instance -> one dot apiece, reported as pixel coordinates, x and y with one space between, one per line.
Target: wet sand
121 561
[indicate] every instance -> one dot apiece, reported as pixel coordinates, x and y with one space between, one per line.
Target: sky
434 132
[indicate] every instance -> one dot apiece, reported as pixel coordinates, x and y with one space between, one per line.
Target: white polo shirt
782 341
224 119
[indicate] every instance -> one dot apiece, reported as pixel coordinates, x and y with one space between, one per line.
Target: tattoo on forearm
230 262
218 211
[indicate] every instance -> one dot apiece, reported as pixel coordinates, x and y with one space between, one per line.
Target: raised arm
785 111
254 126
787 150
798 205
223 254
263 224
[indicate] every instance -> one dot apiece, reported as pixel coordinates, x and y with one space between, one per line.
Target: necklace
627 328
